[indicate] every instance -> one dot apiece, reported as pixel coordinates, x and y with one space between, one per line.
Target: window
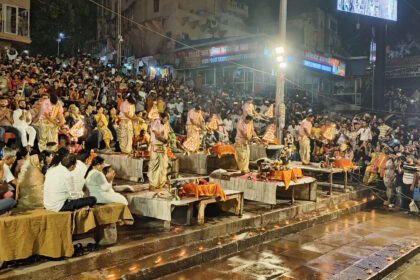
10 19
23 22
156 6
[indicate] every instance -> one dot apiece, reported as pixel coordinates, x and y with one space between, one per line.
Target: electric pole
280 107
119 37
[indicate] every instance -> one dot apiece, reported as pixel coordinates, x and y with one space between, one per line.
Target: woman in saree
30 184
103 127
50 120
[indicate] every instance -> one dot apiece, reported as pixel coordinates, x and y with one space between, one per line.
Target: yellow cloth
242 154
192 144
158 167
139 126
210 189
104 214
270 112
161 106
30 186
36 232
48 132
316 132
369 176
269 135
286 176
191 129
103 127
125 136
305 150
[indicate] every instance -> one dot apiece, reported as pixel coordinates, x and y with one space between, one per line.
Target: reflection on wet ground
408 271
316 253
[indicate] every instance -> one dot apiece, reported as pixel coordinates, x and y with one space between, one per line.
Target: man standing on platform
127 116
248 109
244 134
305 132
158 164
195 120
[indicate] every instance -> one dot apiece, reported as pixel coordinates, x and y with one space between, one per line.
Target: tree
75 18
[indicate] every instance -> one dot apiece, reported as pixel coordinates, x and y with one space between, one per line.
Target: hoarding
325 64
385 9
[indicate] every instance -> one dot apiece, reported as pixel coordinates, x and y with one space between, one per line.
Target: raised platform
125 166
314 168
143 243
204 164
146 204
268 191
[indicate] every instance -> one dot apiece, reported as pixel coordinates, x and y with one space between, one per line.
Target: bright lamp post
280 55
280 107
61 36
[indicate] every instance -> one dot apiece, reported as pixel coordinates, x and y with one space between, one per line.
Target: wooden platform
204 164
269 191
145 204
314 168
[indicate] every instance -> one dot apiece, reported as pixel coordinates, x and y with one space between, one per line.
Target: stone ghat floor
344 249
408 271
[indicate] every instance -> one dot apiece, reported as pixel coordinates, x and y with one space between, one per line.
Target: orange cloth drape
286 176
269 136
192 144
221 150
343 164
210 189
270 112
169 153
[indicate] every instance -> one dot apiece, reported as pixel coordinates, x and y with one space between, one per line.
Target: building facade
182 20
14 22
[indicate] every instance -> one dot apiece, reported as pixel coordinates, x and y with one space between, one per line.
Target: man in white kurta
22 119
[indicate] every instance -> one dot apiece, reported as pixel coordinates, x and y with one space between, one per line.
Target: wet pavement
408 271
319 252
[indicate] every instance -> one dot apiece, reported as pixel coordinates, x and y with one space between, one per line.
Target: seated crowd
54 112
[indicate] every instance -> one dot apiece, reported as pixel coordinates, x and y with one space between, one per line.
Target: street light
280 57
60 38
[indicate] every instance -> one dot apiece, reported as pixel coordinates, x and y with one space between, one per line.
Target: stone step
382 262
299 216
182 257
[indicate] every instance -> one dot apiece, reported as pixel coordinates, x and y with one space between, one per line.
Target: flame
133 268
182 253
158 260
276 226
201 248
111 275
219 243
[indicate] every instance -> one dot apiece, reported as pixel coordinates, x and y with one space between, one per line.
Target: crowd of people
55 112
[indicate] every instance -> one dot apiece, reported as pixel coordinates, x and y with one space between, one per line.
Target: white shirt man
365 134
78 176
22 119
57 187
228 125
180 107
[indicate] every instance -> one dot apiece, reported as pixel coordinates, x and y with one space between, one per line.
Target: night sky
405 30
